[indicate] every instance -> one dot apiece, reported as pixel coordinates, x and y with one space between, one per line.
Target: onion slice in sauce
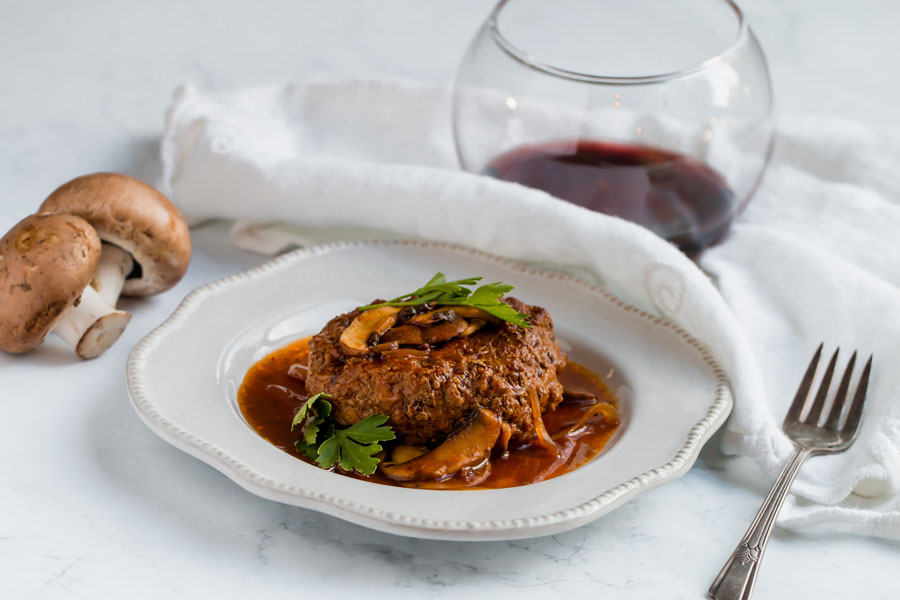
542 438
603 410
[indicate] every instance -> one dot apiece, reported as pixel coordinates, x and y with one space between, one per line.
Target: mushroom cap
46 261
134 216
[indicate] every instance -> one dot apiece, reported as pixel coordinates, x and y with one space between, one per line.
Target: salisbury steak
427 396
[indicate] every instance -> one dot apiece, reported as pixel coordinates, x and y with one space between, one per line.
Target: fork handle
735 580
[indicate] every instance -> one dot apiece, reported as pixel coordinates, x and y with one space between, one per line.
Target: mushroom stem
115 265
90 326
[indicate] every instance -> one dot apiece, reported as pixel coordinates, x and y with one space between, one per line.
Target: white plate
183 378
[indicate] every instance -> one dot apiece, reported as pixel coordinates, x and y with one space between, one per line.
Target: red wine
676 197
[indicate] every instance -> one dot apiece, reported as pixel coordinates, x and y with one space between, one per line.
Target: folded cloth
814 258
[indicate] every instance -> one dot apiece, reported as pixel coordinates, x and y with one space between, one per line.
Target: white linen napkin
816 256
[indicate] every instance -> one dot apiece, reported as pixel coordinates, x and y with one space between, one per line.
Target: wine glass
655 111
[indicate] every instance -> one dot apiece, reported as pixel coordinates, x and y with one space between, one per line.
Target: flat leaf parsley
440 292
353 448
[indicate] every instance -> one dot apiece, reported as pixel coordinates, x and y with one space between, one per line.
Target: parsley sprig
353 448
440 292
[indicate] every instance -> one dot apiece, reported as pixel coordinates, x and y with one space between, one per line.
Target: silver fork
735 580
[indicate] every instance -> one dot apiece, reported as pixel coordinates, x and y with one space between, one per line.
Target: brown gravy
269 397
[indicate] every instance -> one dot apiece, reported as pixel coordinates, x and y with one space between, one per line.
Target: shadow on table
202 510
52 352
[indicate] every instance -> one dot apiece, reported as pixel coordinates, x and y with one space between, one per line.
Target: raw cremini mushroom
146 243
47 262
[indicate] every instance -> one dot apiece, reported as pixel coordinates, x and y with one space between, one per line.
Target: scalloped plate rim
397 523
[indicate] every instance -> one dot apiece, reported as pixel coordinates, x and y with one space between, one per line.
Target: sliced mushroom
147 245
383 347
421 336
444 331
467 478
403 453
406 334
447 314
408 312
434 316
468 447
355 338
470 312
474 325
46 264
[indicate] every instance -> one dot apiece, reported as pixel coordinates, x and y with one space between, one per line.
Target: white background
93 505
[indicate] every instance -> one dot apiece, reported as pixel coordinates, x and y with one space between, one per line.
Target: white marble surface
93 505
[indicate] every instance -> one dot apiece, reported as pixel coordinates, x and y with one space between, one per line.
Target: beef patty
427 397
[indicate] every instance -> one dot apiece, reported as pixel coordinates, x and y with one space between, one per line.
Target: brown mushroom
474 325
375 321
468 447
449 313
467 478
422 336
405 334
146 243
404 453
444 331
432 317
383 347
47 262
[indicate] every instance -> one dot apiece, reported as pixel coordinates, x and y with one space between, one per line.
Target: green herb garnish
353 448
440 292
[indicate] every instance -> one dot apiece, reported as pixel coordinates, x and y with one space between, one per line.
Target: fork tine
815 413
852 425
793 415
840 398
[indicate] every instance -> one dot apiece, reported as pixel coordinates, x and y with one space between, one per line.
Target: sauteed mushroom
474 325
468 447
450 313
384 347
422 336
404 453
355 338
